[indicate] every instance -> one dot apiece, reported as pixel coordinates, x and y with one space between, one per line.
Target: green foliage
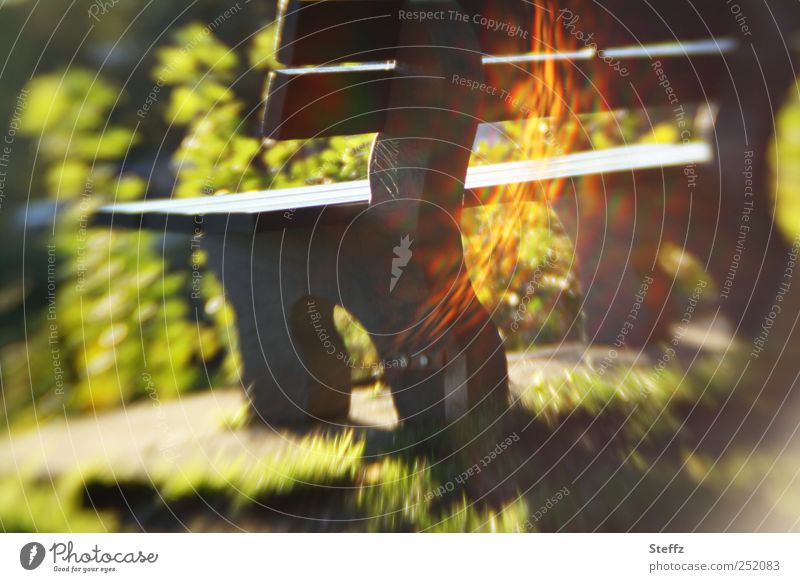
530 288
216 154
787 148
116 323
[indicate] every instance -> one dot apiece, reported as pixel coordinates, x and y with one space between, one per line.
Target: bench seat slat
289 198
315 33
308 103
282 208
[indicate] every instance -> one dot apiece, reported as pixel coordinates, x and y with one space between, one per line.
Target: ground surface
634 449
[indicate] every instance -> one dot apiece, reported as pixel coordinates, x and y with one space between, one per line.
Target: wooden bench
388 248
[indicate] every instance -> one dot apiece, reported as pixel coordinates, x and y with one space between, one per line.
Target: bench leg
324 357
294 368
434 377
283 287
412 366
487 369
448 378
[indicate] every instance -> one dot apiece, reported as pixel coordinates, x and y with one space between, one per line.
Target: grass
315 459
27 506
646 395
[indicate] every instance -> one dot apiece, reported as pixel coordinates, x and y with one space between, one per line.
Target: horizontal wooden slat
316 33
274 209
597 86
639 22
230 222
264 201
305 103
325 32
348 30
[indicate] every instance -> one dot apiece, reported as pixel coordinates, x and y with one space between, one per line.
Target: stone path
141 439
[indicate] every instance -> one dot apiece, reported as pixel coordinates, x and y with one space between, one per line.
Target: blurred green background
165 99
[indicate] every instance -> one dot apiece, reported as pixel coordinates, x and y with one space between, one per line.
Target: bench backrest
340 57
352 65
